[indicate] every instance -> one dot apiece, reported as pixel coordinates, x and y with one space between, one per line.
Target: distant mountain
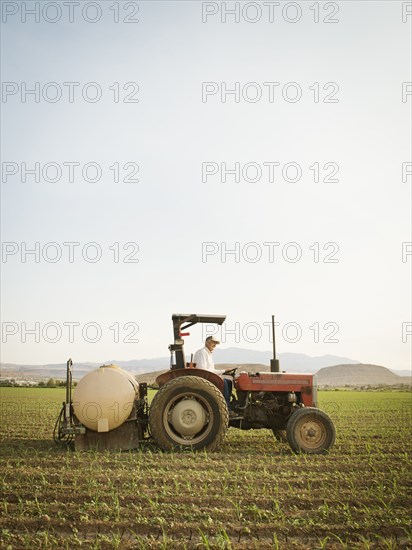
39 372
290 362
337 376
359 375
402 372
150 377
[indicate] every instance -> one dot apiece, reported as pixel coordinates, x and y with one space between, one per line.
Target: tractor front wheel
311 431
188 412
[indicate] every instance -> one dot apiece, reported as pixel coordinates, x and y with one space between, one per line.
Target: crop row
253 493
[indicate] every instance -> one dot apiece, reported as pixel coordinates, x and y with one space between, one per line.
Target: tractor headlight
292 397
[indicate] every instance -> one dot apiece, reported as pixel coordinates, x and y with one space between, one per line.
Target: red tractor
189 410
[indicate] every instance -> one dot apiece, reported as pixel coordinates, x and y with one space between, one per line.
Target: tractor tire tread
193 383
293 436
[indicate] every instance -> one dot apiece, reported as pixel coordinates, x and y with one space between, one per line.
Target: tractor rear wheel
188 412
311 431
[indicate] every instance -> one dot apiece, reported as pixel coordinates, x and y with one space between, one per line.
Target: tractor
110 409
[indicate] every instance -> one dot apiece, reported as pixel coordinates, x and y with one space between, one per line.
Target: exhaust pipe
274 363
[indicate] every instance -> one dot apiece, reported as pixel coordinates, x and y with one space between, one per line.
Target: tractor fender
212 377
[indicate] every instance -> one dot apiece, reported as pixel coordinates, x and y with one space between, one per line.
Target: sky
232 158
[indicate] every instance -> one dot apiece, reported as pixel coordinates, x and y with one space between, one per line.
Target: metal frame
182 321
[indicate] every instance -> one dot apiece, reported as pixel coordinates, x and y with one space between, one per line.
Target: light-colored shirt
204 360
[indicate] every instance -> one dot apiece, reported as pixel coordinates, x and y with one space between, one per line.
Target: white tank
103 399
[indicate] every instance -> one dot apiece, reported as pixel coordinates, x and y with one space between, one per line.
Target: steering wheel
231 372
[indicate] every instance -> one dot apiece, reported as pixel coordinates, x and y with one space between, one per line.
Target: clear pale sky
353 116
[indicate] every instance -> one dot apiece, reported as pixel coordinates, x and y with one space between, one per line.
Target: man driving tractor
203 359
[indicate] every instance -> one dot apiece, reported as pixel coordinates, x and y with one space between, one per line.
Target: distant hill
332 370
291 362
337 376
359 375
150 377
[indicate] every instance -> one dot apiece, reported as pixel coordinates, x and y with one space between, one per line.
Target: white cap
212 339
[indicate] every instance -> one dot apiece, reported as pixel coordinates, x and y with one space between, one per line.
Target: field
253 493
